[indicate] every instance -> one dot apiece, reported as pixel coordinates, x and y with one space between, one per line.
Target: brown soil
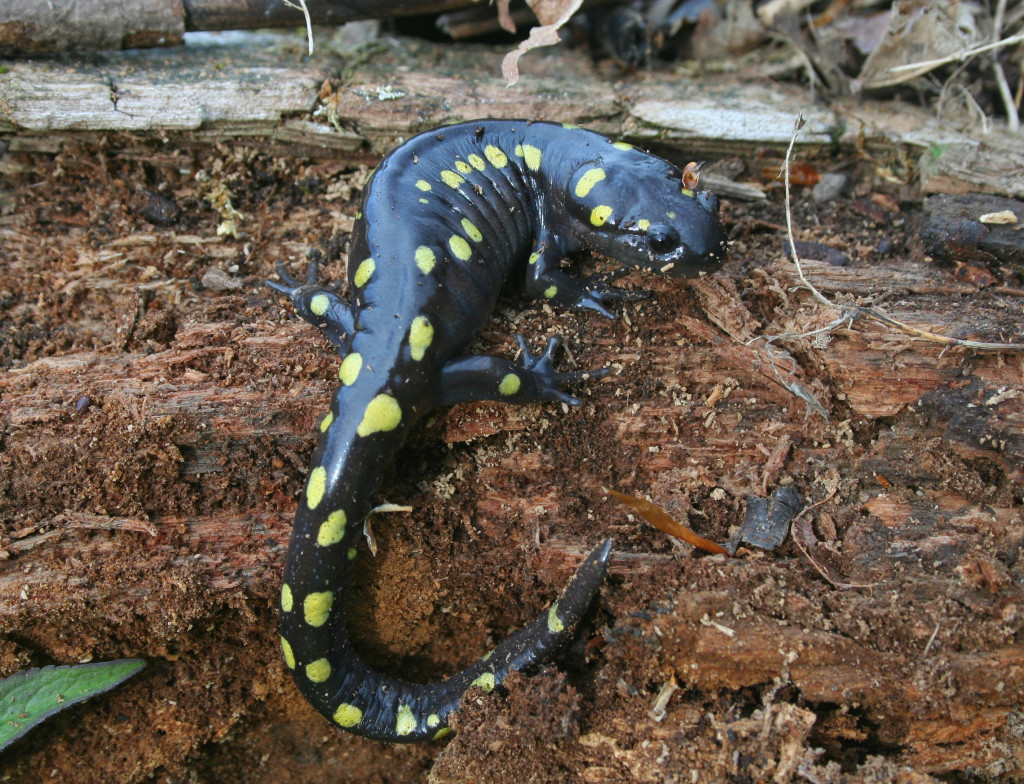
156 427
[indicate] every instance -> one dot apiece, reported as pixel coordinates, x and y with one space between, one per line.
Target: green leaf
29 696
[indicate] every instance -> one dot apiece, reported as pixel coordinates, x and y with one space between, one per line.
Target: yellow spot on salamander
460 248
472 231
686 192
318 671
319 304
316 486
326 422
510 384
347 715
289 656
425 259
382 414
550 291
589 179
444 732
670 214
350 367
622 146
487 655
451 179
406 722
497 158
485 682
286 598
421 335
424 201
352 552
316 608
570 126
476 162
532 156
555 624
363 273
433 720
332 530
600 214
423 185
643 224
463 167
534 257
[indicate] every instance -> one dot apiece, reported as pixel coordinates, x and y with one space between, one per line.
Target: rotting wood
67 25
698 445
202 430
29 27
260 87
953 230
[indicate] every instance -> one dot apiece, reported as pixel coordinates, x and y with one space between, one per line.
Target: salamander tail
376 706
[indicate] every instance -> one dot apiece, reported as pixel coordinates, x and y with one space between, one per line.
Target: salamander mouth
684 262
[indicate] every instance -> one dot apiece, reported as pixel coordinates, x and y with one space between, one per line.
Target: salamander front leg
317 304
529 379
546 280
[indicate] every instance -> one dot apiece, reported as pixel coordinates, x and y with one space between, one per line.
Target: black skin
447 219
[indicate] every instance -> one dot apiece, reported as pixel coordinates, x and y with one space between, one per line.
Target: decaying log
261 88
976 228
31 28
27 27
158 408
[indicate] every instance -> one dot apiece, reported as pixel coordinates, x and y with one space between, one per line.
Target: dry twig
849 313
301 6
962 55
1012 120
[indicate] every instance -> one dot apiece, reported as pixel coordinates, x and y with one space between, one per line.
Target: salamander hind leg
530 379
319 305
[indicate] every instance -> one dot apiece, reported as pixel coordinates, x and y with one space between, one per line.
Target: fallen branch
962 55
301 6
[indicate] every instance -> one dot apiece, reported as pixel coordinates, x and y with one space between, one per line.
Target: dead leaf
973 274
921 33
803 534
552 14
661 520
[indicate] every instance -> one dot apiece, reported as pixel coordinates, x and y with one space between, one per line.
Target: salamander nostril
709 200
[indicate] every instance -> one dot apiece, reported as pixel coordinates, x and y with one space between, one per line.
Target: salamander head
639 211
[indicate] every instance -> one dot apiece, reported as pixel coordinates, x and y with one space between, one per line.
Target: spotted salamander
447 219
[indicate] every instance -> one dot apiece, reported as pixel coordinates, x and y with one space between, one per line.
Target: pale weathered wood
179 90
261 87
71 25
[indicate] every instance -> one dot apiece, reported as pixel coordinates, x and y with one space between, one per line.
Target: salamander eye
663 239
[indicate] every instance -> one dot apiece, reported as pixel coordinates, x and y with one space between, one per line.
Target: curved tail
370 416
358 699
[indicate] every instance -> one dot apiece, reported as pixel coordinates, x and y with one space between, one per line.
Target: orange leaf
799 174
661 520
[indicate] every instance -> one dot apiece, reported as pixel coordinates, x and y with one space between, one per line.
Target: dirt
159 409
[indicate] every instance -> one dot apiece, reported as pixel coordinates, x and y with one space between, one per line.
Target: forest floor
158 409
